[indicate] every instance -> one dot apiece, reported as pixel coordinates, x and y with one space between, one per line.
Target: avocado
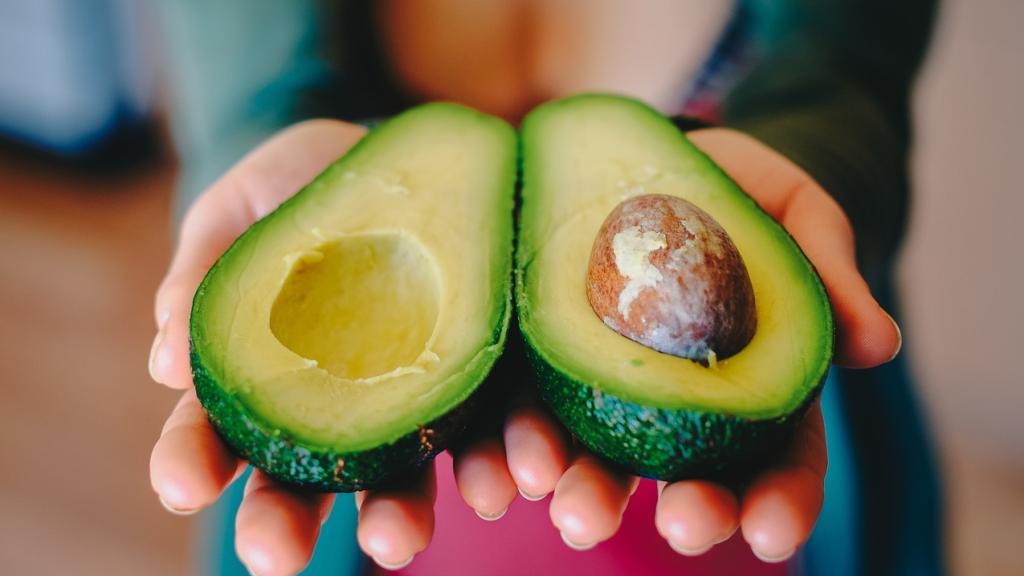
342 340
658 414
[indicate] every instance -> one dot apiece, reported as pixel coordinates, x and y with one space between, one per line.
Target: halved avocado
342 339
658 415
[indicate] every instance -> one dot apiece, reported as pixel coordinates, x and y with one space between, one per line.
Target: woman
815 98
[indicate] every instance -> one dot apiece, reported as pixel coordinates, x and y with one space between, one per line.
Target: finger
867 335
536 450
277 527
397 523
483 478
250 190
169 355
190 466
781 506
694 515
589 501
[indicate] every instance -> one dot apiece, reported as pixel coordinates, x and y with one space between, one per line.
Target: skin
277 528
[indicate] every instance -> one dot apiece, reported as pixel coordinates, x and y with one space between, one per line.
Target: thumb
866 335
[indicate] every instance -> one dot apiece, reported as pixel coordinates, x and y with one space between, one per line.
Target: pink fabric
525 542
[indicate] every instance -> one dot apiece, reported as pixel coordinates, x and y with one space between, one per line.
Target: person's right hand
277 526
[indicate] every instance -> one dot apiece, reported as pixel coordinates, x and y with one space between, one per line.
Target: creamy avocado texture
337 341
658 414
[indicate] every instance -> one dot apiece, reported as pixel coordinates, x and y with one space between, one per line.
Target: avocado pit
665 274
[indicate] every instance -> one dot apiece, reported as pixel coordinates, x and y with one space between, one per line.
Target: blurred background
87 179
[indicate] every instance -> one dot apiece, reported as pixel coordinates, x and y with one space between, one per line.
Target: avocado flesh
657 414
339 339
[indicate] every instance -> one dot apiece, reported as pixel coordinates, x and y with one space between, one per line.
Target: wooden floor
81 251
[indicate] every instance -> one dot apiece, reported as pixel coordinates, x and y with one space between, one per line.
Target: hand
778 510
190 466
277 528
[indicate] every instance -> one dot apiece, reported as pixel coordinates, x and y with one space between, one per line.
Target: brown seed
665 274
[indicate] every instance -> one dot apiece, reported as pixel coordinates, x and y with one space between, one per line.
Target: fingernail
256 562
899 335
491 517
156 357
531 497
689 551
173 510
396 566
773 559
575 546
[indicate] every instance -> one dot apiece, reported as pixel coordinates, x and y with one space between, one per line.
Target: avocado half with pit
657 414
343 338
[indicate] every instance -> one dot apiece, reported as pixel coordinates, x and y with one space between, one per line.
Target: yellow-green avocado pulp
657 414
343 338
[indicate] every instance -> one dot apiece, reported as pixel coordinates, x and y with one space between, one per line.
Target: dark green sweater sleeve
831 91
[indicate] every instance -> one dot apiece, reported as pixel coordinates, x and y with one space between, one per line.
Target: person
811 104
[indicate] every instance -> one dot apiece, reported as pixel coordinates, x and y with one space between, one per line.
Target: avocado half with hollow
343 338
657 414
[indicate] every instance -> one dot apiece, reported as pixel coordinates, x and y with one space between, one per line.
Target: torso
504 57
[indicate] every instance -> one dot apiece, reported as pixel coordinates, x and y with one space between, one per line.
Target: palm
277 527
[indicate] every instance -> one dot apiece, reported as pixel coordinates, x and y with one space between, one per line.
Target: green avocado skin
270 449
660 443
